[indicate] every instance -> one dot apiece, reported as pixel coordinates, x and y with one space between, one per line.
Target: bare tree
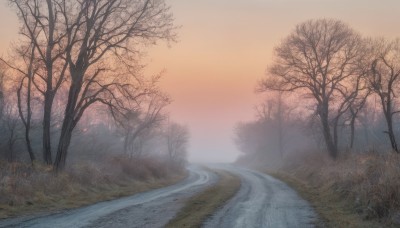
99 30
26 120
354 109
140 117
40 27
385 80
177 137
82 45
276 111
320 58
26 74
11 131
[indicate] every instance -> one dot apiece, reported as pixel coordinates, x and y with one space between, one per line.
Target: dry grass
356 191
25 189
201 206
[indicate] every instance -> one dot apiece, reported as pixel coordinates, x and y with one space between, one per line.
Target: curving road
150 209
262 201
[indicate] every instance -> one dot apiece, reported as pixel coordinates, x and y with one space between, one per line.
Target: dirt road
150 209
262 201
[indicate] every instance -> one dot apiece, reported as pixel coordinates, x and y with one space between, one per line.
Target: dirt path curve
262 201
149 209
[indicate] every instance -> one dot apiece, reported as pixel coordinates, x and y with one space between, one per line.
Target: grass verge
27 190
333 210
201 206
359 190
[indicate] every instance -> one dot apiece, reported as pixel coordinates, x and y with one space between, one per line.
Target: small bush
146 167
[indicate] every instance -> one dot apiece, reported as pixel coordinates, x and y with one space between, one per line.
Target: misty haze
220 114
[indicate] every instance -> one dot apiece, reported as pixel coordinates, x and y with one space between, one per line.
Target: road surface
262 201
150 209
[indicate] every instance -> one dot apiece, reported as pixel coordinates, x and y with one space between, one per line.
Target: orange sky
224 48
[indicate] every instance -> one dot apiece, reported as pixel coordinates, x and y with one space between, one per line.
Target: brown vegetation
356 191
25 189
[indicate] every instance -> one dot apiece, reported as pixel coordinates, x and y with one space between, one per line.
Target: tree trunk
65 140
47 157
29 146
330 145
390 132
352 131
61 157
68 124
27 121
335 135
49 95
386 101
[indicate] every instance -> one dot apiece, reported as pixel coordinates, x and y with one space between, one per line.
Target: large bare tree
320 59
97 31
90 47
385 80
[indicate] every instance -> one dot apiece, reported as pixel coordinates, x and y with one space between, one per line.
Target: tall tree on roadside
385 80
98 31
320 58
91 47
40 27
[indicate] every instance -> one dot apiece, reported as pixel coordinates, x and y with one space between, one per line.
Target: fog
223 50
291 107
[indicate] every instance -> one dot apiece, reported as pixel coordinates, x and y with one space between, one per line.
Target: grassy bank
355 191
201 206
26 189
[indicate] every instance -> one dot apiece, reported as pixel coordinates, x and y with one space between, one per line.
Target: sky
223 49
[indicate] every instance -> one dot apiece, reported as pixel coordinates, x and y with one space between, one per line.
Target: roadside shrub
145 167
368 182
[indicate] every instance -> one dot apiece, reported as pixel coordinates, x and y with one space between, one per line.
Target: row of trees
77 58
338 78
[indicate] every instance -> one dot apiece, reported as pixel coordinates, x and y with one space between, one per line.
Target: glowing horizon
224 48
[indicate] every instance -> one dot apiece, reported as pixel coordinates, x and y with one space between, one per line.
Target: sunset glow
223 49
